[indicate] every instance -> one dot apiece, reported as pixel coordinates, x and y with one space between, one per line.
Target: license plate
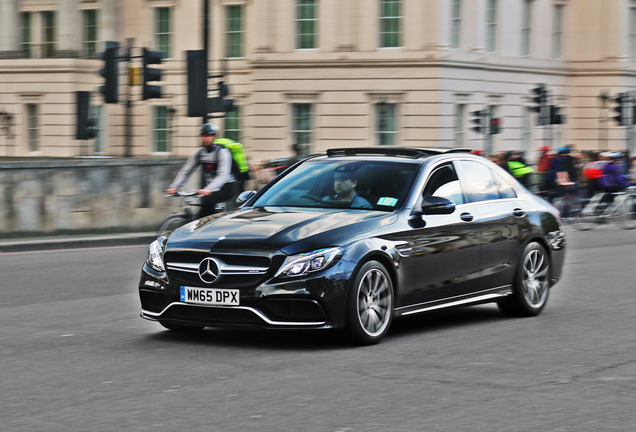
210 296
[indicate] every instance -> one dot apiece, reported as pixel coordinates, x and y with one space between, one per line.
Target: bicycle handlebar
183 194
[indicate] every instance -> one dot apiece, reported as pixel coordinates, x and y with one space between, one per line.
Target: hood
273 228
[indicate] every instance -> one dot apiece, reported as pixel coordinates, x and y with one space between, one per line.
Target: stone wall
85 195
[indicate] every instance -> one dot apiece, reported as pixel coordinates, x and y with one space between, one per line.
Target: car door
501 217
443 258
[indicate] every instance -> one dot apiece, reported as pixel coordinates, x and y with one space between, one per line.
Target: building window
25 43
99 141
390 23
232 125
33 132
526 27
48 34
89 40
456 23
386 129
163 34
302 126
557 31
306 24
458 127
234 31
161 130
491 26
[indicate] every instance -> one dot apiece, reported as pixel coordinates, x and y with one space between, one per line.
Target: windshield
370 185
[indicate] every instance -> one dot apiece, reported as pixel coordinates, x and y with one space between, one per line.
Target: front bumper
313 302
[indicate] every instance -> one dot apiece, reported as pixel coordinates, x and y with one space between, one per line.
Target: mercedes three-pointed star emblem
208 270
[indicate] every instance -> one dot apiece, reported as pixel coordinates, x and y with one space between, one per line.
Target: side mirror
244 196
432 205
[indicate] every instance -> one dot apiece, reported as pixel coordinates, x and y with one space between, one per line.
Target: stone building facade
322 73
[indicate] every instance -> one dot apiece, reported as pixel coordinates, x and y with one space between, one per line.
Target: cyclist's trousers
208 203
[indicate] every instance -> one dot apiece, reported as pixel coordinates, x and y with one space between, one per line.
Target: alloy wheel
375 302
535 277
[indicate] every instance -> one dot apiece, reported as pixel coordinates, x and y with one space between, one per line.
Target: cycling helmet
208 129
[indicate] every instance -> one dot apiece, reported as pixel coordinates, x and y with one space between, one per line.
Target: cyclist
517 166
217 182
613 178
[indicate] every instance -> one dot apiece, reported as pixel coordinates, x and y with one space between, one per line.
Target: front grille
236 271
212 315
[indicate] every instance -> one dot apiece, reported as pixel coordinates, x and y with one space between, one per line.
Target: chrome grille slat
234 271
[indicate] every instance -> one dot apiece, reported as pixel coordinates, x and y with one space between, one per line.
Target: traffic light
220 103
555 116
540 98
197 83
621 109
84 125
148 74
479 121
495 126
110 72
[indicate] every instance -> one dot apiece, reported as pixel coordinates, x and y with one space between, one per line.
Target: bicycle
179 219
621 211
569 204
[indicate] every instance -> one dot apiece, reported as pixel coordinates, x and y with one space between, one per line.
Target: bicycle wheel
569 208
171 224
580 218
624 215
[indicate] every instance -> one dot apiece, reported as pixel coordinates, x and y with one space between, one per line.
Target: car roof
404 152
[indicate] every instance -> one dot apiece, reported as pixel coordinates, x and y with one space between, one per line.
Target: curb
75 241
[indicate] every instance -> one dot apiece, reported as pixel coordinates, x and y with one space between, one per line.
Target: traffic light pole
631 105
128 114
206 47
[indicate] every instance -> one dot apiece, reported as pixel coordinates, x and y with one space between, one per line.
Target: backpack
240 168
594 170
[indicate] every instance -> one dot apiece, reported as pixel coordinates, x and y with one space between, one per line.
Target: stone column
475 27
69 27
9 27
109 20
443 24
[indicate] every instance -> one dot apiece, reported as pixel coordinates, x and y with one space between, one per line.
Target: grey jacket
216 168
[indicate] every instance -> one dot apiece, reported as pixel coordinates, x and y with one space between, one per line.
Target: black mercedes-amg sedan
354 238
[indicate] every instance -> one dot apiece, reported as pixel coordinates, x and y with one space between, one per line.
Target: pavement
73 241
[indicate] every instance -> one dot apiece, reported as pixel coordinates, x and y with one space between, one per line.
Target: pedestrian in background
543 167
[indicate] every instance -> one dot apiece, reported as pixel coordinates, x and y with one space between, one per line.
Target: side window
477 181
444 183
505 189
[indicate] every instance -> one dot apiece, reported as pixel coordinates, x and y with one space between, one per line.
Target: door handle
466 217
518 212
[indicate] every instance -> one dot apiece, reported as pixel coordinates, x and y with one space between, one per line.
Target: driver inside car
344 186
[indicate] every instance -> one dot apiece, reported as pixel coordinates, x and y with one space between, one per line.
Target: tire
181 328
531 287
171 224
370 304
625 215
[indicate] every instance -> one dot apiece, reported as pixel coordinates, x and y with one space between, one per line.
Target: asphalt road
75 356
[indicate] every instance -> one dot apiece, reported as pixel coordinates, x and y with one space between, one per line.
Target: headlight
302 264
155 254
